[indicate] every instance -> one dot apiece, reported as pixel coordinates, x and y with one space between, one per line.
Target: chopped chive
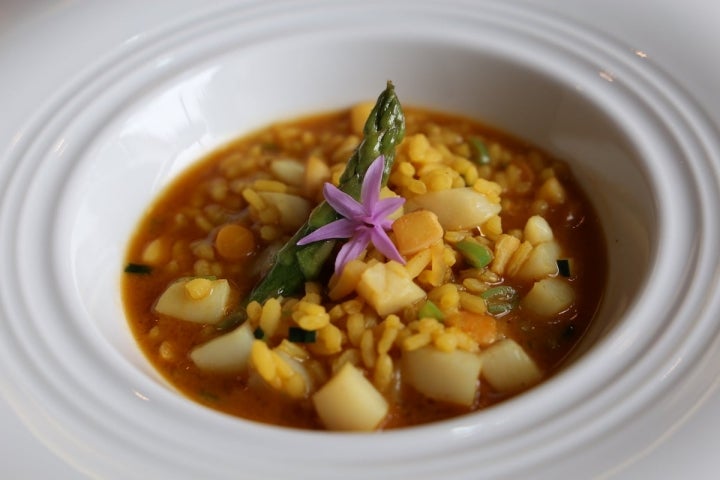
300 335
500 300
475 254
138 269
258 333
430 310
564 267
481 156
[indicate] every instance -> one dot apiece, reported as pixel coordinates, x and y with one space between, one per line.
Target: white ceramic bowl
111 139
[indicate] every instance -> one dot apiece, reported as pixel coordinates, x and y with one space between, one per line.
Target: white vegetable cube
456 208
541 262
446 376
228 353
508 368
348 401
548 297
293 209
388 288
537 230
288 171
176 302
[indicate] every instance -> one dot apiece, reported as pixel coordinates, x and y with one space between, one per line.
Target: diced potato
508 368
228 353
294 210
456 208
416 231
541 262
548 297
348 401
288 171
445 376
176 302
537 230
388 288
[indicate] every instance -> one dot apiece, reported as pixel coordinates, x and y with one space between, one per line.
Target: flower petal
385 245
370 192
342 228
342 203
385 207
353 248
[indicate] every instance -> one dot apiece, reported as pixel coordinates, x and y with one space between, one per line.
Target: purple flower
364 222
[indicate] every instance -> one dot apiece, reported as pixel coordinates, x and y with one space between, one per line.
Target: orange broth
188 214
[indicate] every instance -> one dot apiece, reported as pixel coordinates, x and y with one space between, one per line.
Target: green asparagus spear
294 264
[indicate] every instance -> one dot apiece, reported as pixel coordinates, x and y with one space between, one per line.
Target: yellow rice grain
355 327
155 252
367 349
415 341
418 262
253 199
262 360
270 316
198 288
518 258
329 340
292 349
505 246
336 313
472 303
263 185
417 187
552 191
354 305
166 351
388 336
445 341
383 373
269 233
310 316
203 223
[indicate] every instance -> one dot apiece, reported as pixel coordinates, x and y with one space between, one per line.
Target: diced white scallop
456 208
176 302
446 376
541 262
288 171
548 297
293 209
537 230
508 368
388 288
228 353
348 401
